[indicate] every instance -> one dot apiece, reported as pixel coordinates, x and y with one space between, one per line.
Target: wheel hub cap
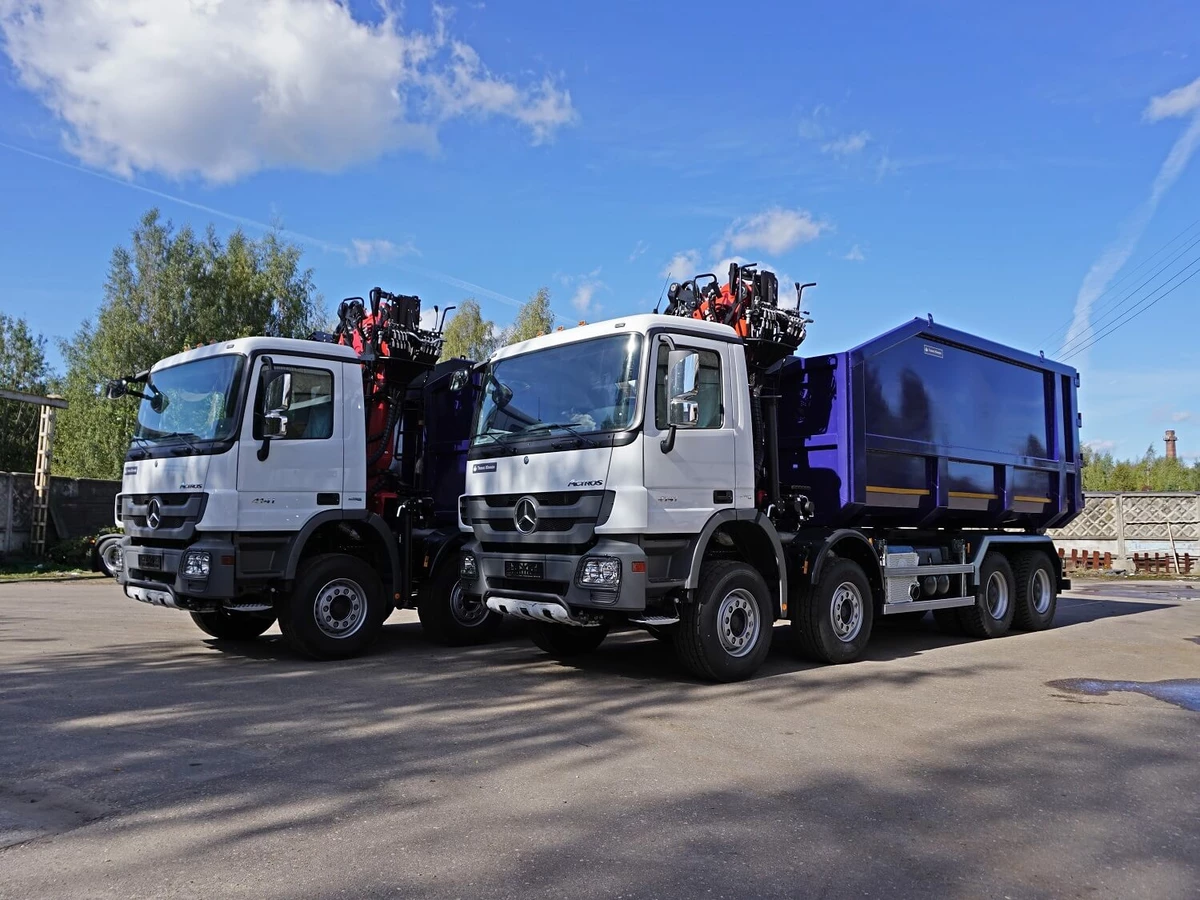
1040 590
846 612
996 595
738 623
466 612
340 608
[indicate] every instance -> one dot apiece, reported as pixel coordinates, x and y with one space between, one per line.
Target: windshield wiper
186 437
571 427
500 438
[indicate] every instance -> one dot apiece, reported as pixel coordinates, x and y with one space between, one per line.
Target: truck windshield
193 401
590 386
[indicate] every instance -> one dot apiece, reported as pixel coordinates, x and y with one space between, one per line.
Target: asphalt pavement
139 758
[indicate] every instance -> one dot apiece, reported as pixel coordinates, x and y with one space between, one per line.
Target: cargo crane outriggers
691 476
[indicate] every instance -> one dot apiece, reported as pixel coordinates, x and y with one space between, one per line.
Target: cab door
290 456
689 474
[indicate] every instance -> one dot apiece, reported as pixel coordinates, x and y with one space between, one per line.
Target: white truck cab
253 492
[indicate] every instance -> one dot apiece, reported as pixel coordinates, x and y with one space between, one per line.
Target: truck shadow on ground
493 770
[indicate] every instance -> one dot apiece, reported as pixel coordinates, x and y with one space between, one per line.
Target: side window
687 389
305 401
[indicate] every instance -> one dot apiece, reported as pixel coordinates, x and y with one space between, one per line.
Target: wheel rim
996 595
465 611
340 608
738 623
1040 591
111 558
846 611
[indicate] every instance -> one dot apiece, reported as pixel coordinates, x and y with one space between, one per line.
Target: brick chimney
1169 439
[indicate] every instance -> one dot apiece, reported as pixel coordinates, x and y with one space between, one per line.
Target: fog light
600 571
196 563
468 568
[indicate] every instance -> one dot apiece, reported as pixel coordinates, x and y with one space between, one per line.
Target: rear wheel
564 641
233 626
832 623
724 634
1037 598
450 616
336 607
995 600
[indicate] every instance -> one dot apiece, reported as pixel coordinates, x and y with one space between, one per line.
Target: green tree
533 318
1101 472
168 291
468 334
23 368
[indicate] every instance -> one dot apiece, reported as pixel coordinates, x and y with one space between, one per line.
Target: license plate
524 569
149 560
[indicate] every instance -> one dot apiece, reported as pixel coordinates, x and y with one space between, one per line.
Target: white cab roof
640 323
249 345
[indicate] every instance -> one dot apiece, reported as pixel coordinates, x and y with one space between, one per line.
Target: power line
1045 342
1118 310
1138 312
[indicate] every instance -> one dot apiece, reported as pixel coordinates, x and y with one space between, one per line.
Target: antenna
662 293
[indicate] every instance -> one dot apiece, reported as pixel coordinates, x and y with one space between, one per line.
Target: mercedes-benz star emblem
525 515
153 513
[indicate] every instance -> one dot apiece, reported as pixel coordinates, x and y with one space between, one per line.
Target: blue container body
925 426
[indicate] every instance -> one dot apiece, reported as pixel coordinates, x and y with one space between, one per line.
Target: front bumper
558 584
152 574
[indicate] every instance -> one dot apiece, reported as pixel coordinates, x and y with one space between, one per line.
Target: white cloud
582 300
682 266
1181 416
847 145
775 230
855 254
368 250
223 89
639 248
429 318
1100 446
1179 102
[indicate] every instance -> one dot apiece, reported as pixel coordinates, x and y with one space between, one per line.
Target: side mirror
460 379
115 390
683 412
274 424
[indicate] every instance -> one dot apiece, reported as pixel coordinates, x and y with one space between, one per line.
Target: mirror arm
667 444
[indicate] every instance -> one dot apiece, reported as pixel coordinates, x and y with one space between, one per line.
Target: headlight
468 568
600 571
196 563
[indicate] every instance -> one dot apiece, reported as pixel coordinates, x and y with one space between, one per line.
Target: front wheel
232 626
336 607
564 641
832 622
724 634
450 616
108 551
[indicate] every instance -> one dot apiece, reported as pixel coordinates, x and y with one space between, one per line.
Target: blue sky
994 167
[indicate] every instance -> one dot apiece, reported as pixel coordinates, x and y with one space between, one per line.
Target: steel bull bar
535 610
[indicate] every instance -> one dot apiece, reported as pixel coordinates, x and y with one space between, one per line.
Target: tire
108 554
724 634
448 617
995 599
1037 598
565 641
832 622
336 608
232 626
